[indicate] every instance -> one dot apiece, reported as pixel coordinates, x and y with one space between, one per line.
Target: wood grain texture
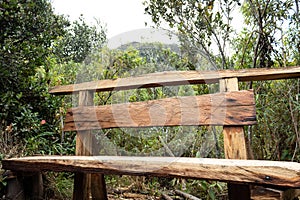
262 193
235 145
276 173
84 140
82 182
234 142
234 137
172 78
86 185
233 108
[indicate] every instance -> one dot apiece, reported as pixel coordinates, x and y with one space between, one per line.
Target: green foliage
270 37
108 64
40 49
199 23
275 137
63 73
28 29
79 41
59 186
50 143
209 190
30 37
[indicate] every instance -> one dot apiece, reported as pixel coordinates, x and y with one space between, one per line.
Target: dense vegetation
40 49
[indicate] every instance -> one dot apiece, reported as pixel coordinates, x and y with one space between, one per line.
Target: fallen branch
186 195
166 197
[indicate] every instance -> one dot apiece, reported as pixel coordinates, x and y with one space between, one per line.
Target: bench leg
20 186
236 191
88 186
259 193
37 186
80 191
15 189
98 187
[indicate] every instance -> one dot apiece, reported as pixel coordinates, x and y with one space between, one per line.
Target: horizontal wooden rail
172 78
228 108
276 173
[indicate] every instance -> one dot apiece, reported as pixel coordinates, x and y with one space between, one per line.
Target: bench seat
262 172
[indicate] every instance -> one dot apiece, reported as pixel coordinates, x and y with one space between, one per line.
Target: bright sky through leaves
119 15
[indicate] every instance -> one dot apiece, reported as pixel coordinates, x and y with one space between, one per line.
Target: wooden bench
229 108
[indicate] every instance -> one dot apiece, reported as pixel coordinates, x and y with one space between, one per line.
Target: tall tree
271 39
28 29
201 24
265 33
79 41
293 41
30 35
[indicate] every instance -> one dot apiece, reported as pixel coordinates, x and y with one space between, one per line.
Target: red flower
43 122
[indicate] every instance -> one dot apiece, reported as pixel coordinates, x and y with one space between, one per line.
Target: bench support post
87 185
235 145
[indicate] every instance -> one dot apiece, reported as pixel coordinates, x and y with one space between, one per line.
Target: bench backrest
231 108
227 108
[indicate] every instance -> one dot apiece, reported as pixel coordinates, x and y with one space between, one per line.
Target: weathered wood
229 85
15 188
276 173
98 187
262 193
179 78
166 197
85 184
37 186
21 185
82 182
80 190
234 144
233 108
186 195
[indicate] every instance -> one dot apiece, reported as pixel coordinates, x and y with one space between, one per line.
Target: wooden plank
234 145
172 78
276 173
233 108
98 185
